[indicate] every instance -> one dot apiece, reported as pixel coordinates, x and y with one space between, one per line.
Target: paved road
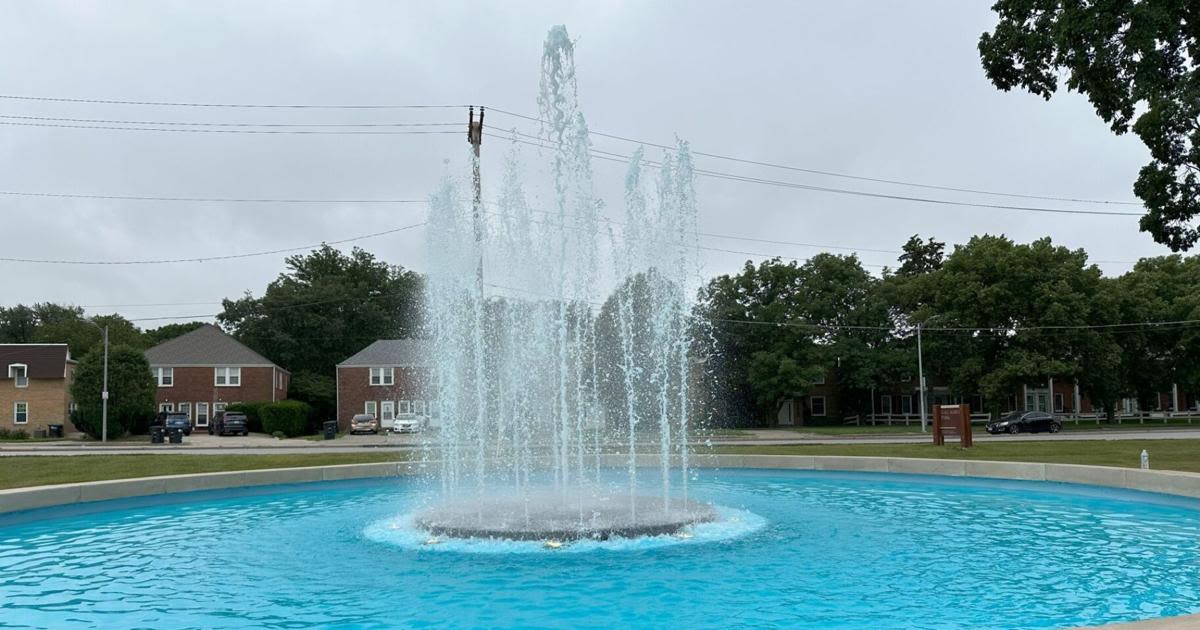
202 444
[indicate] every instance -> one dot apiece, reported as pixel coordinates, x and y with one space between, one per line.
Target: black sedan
1025 422
226 422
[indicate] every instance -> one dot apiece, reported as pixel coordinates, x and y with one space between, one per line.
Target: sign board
952 420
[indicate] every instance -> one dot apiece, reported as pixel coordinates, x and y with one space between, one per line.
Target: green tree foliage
47 322
325 307
131 391
17 324
1139 65
155 336
921 257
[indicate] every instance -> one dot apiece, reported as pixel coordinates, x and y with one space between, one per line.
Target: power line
617 157
225 124
247 131
13 97
208 258
17 193
832 173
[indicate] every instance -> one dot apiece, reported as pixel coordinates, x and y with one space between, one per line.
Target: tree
131 391
81 336
155 336
1139 65
17 324
325 307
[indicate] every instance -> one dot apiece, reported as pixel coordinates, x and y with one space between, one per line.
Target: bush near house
289 417
253 411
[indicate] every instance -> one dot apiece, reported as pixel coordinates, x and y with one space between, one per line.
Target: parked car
178 421
226 422
364 423
1025 422
410 424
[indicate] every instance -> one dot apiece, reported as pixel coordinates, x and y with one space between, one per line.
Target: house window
906 404
19 373
218 407
419 407
164 376
166 408
388 407
185 409
202 414
1058 403
369 408
228 376
20 413
885 405
818 406
383 376
820 380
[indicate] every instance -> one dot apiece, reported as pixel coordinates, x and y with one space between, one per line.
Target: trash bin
330 429
56 430
156 434
176 436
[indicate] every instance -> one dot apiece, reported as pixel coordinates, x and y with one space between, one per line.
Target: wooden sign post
952 420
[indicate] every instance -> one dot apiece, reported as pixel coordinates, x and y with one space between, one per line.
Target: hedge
289 417
253 411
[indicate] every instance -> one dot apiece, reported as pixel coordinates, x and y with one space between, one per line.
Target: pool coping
1170 482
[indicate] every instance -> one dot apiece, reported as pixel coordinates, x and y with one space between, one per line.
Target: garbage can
56 430
176 436
330 429
156 434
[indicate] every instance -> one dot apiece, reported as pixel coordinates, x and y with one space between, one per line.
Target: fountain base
554 517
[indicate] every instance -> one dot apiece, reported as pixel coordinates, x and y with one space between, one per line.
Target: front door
202 414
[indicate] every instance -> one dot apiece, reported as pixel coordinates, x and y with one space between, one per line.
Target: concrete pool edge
1170 482
1159 481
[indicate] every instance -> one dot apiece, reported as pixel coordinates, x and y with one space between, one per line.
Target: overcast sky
887 90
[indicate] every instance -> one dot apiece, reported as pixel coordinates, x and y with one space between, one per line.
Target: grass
1164 454
1084 425
17 472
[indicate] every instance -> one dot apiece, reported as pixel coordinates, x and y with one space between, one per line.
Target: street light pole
921 379
104 387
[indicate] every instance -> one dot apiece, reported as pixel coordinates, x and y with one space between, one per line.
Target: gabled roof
44 360
205 346
391 353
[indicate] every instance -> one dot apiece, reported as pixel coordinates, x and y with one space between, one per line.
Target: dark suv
226 422
1025 422
175 421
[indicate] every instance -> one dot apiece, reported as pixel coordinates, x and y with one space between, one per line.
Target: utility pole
921 379
104 393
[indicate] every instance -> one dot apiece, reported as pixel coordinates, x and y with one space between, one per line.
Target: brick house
35 385
387 379
203 371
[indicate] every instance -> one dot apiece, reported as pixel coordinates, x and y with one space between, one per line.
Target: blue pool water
796 549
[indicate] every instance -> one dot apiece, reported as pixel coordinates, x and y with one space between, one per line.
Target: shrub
289 417
13 434
253 411
278 435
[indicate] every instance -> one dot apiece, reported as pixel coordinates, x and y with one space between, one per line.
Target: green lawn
16 472
1164 454
1084 425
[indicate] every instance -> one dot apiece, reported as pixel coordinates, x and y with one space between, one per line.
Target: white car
407 425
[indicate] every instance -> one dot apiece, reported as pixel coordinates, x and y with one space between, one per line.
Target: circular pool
789 549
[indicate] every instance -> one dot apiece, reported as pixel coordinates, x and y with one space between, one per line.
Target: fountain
542 380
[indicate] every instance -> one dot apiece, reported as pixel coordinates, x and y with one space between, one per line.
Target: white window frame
227 376
21 381
906 404
164 376
813 405
885 404
166 407
382 376
419 408
370 408
20 408
202 416
1059 403
387 410
184 408
219 407
406 407
820 380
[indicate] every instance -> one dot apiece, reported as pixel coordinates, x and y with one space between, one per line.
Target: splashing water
543 381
